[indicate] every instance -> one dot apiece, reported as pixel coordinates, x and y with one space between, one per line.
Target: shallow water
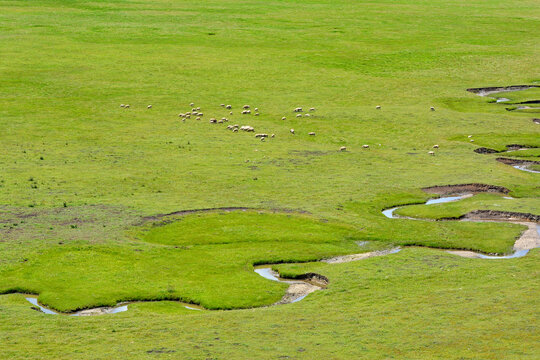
525 168
389 213
500 100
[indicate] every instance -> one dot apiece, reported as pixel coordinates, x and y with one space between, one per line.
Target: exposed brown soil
508 161
484 150
501 216
465 188
511 147
495 89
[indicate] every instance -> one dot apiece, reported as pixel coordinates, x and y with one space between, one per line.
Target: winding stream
530 239
299 288
121 307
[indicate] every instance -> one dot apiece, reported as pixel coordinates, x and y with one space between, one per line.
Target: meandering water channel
300 288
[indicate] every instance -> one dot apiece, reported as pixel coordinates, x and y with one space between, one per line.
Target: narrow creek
300 288
121 307
529 239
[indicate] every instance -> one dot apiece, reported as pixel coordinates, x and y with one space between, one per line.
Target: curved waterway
308 283
529 239
33 299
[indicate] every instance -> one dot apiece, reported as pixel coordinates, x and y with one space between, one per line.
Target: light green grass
79 174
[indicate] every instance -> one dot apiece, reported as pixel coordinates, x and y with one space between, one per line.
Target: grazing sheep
299 115
229 107
250 129
431 153
188 116
122 105
378 107
235 130
292 131
212 120
198 108
230 113
127 106
262 139
273 135
470 136
312 133
181 115
307 115
224 119
261 135
298 109
312 109
365 146
472 140
191 104
198 118
220 121
432 108
435 146
222 105
229 127
256 109
194 113
284 118
256 114
200 114
246 106
149 107
343 148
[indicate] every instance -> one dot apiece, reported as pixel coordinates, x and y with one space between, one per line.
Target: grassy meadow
86 185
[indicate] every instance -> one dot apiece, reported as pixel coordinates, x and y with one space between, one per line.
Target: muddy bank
484 91
509 148
501 216
508 161
465 188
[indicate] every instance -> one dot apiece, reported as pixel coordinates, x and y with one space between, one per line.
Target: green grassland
83 181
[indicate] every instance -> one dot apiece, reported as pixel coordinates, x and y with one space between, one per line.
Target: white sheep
229 107
200 114
431 153
256 114
292 131
378 107
343 148
246 106
298 109
365 146
435 146
127 106
222 105
256 109
149 107
312 133
299 115
307 115
312 109
284 118
273 135
432 108
122 105
191 104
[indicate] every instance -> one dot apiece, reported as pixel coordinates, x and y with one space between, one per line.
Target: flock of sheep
246 110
